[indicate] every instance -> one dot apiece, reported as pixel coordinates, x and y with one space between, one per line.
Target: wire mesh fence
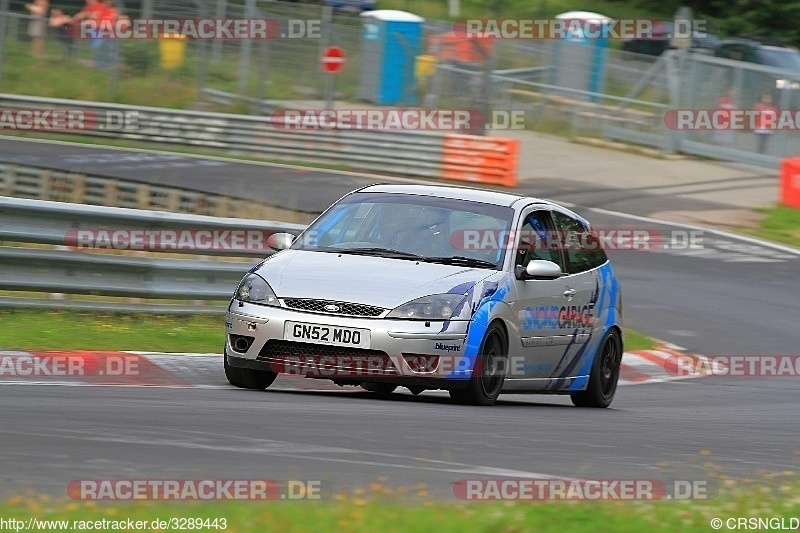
716 84
563 87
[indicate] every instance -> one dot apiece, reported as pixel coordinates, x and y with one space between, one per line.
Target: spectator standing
107 18
66 31
37 26
91 11
725 104
765 121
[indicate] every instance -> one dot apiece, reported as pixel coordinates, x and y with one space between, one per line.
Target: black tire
489 373
248 378
604 376
379 388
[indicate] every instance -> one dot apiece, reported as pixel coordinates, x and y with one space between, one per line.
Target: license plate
332 335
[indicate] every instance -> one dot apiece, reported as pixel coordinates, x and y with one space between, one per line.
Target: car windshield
785 58
404 226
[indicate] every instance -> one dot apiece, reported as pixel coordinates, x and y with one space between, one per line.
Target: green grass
73 330
635 340
381 508
33 329
55 77
781 224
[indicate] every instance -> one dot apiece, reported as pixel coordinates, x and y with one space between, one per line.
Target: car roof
758 43
453 192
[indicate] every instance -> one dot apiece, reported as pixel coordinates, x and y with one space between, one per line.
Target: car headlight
255 290
433 307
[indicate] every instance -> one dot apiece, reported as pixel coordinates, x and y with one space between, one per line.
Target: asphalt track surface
730 297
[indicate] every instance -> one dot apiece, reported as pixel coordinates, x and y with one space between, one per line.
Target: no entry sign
333 59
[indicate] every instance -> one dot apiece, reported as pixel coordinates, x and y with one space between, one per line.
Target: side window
732 51
581 247
536 240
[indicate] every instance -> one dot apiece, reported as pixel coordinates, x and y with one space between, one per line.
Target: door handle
569 293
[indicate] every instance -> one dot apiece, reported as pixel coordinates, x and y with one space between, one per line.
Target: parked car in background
355 6
702 42
770 53
767 52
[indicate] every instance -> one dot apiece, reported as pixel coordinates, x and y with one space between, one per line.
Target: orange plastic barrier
452 46
790 182
490 160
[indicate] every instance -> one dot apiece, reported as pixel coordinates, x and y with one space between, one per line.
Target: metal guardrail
139 275
412 153
44 222
227 99
39 183
75 272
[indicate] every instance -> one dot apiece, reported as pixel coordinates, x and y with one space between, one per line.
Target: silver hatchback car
433 287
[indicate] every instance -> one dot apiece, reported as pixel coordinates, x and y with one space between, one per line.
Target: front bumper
429 354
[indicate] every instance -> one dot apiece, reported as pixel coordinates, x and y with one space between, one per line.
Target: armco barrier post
790 182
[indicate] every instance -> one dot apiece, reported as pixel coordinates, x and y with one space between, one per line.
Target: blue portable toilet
391 42
580 62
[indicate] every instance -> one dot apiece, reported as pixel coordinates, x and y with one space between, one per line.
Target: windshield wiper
461 260
382 252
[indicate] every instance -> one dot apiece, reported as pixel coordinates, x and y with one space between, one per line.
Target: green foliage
764 18
139 57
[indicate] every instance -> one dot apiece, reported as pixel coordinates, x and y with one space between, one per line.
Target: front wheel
604 376
489 373
248 378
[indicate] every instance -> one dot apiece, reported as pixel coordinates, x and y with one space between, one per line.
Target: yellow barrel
173 49
425 66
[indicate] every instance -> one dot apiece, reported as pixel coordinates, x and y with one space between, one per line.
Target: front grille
345 308
291 357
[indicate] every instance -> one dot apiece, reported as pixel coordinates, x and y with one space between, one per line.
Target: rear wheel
248 378
489 373
604 376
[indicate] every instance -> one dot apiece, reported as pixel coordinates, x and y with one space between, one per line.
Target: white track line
722 233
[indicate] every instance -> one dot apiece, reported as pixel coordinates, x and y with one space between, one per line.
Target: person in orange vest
766 121
725 105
